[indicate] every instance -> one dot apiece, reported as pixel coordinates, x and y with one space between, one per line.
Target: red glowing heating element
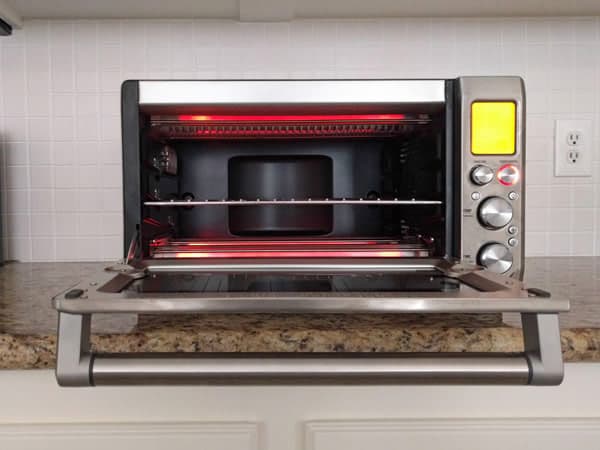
240 126
294 254
293 118
286 249
277 243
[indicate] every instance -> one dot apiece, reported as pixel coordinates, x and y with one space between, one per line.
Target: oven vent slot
322 126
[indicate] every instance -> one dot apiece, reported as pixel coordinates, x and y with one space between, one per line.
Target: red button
508 175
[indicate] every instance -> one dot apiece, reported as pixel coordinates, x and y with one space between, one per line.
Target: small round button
475 195
513 229
513 195
481 175
513 242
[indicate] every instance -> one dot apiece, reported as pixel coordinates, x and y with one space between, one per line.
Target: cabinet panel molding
453 434
131 435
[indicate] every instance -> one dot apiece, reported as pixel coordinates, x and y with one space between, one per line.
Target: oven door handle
540 364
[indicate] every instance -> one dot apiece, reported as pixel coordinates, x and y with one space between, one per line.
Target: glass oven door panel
290 282
299 286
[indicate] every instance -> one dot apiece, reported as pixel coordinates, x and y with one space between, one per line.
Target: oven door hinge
134 249
125 275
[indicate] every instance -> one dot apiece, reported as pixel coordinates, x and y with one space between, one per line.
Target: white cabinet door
453 434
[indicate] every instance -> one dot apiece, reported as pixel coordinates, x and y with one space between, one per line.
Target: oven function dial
495 213
481 175
495 257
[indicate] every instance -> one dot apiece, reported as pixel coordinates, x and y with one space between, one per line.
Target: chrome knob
495 213
495 257
481 175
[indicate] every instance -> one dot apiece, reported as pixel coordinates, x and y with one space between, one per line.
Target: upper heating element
196 126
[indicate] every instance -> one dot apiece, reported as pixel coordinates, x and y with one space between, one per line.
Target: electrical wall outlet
573 148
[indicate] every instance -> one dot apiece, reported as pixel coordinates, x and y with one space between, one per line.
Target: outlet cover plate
563 167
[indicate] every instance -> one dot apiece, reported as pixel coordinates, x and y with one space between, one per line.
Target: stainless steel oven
319 196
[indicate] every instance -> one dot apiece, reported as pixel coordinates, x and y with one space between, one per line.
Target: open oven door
306 286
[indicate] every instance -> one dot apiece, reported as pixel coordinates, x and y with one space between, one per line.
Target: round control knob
495 213
495 257
508 175
481 175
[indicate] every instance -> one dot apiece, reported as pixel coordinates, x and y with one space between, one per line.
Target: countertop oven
319 196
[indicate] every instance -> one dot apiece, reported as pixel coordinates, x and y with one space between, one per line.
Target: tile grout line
51 143
3 173
74 239
28 145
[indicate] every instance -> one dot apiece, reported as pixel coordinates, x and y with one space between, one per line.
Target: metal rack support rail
274 202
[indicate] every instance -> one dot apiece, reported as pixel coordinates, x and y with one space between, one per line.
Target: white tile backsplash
42 249
60 127
42 200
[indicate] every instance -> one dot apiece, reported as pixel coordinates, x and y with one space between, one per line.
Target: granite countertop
28 322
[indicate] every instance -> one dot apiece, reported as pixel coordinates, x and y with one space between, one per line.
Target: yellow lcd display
493 128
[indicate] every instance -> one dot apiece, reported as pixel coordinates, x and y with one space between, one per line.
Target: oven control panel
492 150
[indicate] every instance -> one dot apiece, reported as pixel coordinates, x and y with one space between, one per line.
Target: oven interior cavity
293 185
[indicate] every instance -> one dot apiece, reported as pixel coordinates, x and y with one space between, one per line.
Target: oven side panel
130 132
452 170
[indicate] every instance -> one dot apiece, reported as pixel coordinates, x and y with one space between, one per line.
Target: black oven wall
406 167
131 125
411 164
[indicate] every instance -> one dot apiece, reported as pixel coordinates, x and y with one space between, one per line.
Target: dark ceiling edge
5 28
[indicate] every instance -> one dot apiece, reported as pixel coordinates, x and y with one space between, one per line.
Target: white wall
59 107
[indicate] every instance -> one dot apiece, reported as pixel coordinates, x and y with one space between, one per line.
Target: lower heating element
301 248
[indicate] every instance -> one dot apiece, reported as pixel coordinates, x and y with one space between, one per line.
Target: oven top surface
184 92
